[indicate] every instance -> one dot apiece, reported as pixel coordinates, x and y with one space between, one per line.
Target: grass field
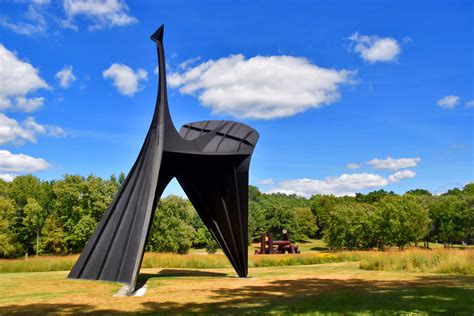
168 260
317 289
414 281
452 261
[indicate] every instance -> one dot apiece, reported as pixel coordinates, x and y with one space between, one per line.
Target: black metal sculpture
210 159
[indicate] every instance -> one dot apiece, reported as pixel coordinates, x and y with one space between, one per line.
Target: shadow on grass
446 295
45 309
319 248
431 294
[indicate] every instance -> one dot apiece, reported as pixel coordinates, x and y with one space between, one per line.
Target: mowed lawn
316 289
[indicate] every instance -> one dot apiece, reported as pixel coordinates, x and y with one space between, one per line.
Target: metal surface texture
210 160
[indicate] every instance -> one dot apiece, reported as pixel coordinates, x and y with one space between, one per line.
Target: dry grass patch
439 260
169 260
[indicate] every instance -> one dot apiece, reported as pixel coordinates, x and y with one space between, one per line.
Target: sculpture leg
115 250
219 193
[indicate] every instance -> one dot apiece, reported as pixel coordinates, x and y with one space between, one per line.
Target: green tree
79 235
4 188
27 186
9 244
257 224
306 222
9 247
280 217
33 221
121 178
401 220
254 193
7 208
79 203
275 212
373 197
469 189
419 192
53 238
59 216
454 191
67 203
204 239
350 227
321 207
97 194
453 218
172 229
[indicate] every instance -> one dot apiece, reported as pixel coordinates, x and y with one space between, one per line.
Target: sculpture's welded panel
210 159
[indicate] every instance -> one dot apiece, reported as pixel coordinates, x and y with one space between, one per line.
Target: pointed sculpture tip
158 35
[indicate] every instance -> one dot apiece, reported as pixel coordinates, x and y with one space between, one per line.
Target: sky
347 96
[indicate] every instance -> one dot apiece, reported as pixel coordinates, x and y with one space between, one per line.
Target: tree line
58 217
378 219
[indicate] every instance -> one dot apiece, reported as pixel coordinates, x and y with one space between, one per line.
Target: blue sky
347 97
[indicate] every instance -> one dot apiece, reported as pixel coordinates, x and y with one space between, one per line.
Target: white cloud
49 130
449 101
18 78
188 62
29 104
31 124
352 166
10 162
376 49
125 79
400 175
261 87
12 165
13 132
5 103
102 13
36 22
265 181
8 177
394 164
55 131
470 104
346 184
65 76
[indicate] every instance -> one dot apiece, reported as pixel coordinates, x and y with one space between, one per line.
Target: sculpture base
126 291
